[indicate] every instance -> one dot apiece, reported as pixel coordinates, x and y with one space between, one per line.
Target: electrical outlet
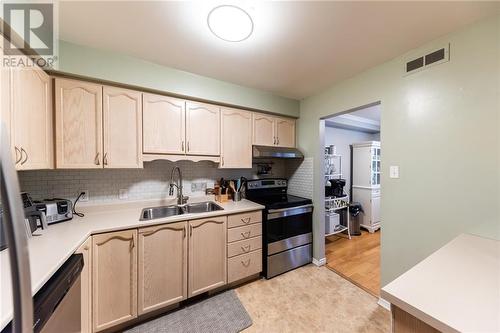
85 197
123 194
198 187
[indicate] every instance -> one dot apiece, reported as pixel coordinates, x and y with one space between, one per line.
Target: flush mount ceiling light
230 23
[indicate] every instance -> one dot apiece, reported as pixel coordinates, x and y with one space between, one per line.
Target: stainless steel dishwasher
57 306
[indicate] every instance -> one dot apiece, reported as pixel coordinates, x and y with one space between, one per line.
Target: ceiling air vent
435 57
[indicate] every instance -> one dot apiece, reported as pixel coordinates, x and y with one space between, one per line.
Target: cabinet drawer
246 232
244 265
244 246
239 220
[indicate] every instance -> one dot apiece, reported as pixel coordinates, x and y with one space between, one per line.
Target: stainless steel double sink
153 213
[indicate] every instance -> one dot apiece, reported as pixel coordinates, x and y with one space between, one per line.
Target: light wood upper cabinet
78 111
86 286
263 130
285 132
202 129
114 278
273 131
122 114
164 124
236 139
31 118
207 255
163 256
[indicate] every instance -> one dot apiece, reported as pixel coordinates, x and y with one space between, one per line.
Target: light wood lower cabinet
114 278
207 255
244 248
86 284
162 266
133 272
403 322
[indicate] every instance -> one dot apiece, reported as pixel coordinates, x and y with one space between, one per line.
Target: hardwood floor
357 260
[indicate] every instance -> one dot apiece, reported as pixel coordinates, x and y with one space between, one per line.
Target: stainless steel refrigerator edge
17 242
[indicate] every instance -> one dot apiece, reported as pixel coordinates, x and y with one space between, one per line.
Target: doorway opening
352 195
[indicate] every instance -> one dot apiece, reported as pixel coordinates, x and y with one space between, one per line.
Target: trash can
355 209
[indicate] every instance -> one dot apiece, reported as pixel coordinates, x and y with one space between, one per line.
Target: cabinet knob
245 220
245 248
105 159
245 263
245 234
96 160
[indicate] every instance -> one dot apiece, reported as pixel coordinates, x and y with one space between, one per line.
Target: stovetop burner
272 194
281 201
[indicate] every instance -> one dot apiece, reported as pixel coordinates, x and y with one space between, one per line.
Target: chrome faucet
181 200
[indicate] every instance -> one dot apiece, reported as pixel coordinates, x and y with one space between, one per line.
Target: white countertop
56 244
455 289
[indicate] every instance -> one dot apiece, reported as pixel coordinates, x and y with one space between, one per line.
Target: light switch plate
394 171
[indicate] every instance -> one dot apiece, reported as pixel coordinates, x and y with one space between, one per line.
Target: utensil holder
237 196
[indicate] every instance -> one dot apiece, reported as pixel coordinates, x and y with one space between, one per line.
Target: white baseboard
319 262
383 303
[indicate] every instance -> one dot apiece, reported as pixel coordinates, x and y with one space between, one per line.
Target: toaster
56 210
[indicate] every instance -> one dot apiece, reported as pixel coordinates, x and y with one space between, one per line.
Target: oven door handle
277 213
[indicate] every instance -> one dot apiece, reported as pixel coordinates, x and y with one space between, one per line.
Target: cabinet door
207 255
122 110
162 266
114 278
164 123
263 130
31 123
202 129
86 286
78 124
236 139
285 132
375 217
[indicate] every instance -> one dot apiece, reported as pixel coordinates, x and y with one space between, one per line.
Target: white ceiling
297 49
372 112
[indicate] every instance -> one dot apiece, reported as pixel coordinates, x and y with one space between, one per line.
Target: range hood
276 152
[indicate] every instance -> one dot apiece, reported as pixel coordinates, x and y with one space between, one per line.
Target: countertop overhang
455 289
54 246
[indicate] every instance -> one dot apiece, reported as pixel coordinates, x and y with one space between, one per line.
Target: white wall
342 139
441 126
120 68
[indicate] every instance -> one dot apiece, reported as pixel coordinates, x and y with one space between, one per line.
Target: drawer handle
246 263
245 248
245 234
245 220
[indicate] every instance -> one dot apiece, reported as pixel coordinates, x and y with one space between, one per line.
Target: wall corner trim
319 262
383 303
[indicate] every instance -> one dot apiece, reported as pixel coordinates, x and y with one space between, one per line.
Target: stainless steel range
287 225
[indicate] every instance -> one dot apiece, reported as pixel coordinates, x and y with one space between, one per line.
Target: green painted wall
111 66
441 126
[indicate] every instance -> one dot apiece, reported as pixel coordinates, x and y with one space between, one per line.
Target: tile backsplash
139 184
300 177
